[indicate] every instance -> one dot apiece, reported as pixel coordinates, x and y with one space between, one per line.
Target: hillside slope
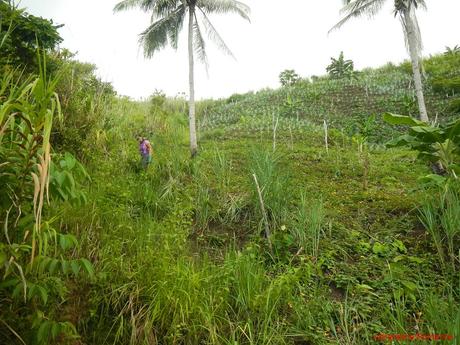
346 104
182 259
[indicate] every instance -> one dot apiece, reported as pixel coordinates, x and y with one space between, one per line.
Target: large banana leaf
439 144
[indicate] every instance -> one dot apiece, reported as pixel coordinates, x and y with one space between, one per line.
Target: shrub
289 77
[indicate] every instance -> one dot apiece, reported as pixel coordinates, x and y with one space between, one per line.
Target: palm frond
127 5
224 6
199 44
176 27
358 8
420 3
159 8
160 33
214 35
162 8
401 6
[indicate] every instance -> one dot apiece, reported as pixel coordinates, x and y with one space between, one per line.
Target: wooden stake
325 137
366 169
275 126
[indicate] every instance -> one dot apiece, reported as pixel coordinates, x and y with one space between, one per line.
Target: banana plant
435 144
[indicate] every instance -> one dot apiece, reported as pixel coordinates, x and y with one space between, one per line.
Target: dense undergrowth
180 255
182 258
272 235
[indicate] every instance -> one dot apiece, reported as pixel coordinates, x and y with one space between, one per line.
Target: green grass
266 237
180 255
181 259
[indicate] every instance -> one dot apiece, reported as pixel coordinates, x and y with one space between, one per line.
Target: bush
289 77
85 101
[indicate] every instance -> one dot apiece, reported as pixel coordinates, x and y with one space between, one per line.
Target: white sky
287 34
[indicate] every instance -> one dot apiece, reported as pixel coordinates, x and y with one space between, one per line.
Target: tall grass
440 216
154 287
274 185
442 313
309 223
221 168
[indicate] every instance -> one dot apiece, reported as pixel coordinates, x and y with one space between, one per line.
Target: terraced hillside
346 104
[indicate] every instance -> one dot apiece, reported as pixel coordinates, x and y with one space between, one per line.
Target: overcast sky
287 34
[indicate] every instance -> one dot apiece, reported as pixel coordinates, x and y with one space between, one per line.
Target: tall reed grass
309 224
440 215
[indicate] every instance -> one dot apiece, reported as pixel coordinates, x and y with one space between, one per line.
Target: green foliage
452 51
235 98
288 77
454 106
309 224
34 255
345 104
157 100
85 102
340 68
434 144
447 85
65 179
291 107
443 79
440 216
273 181
177 249
25 34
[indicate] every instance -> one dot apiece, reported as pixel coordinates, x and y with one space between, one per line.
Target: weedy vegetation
268 236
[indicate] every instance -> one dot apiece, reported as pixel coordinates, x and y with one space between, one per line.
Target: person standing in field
145 149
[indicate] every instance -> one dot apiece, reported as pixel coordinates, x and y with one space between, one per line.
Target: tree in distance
288 77
341 68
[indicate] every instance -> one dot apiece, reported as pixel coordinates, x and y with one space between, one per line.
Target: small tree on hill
289 77
157 100
452 51
341 68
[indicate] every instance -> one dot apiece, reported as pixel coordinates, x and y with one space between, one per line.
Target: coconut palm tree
167 20
405 9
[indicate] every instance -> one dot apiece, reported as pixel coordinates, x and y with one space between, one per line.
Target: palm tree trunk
415 59
191 108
